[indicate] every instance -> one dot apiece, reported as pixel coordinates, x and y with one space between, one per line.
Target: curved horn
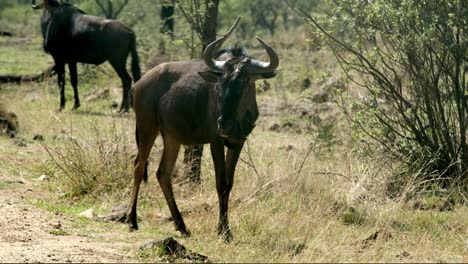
263 67
213 47
39 6
208 56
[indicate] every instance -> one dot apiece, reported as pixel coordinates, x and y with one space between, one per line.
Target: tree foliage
109 10
202 15
411 56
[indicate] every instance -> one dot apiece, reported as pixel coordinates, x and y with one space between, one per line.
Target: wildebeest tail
136 72
137 137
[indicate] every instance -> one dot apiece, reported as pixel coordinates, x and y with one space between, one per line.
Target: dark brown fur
176 100
71 36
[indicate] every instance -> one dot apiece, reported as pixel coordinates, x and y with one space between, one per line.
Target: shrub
411 58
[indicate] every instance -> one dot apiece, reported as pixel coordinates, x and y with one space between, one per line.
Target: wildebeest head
236 78
45 4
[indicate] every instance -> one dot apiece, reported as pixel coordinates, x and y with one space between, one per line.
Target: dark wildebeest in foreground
72 36
198 102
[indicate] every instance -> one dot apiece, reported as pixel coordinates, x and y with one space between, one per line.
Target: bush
411 58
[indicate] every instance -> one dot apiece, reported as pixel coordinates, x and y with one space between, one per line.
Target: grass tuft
91 167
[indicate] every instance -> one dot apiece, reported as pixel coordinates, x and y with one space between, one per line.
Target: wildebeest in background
181 101
72 36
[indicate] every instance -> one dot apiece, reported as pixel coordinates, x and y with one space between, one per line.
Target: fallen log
9 78
6 34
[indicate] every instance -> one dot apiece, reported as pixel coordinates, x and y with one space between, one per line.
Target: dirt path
31 234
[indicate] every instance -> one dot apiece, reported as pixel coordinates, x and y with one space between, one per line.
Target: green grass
9 185
58 207
25 57
58 232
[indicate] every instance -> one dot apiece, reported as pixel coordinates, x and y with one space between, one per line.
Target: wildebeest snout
225 127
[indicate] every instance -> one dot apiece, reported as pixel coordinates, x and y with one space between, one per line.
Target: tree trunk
193 154
210 23
167 18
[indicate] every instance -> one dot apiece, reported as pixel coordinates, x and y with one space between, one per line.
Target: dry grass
295 199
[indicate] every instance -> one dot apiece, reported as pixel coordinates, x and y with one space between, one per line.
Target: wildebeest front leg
164 174
224 182
60 69
74 83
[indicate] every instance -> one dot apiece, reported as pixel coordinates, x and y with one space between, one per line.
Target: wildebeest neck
56 24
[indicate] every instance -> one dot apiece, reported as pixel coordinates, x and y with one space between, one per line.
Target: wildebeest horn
213 64
213 47
39 6
263 67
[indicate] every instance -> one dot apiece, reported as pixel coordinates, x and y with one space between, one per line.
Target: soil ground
31 234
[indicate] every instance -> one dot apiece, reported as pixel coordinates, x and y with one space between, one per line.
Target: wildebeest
72 36
198 102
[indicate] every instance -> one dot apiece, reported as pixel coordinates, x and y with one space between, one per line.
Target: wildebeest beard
242 129
246 124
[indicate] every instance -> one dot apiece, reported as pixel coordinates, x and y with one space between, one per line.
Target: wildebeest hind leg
74 83
147 134
165 170
60 69
126 83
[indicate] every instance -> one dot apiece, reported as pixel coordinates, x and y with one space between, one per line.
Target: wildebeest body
193 103
71 37
184 104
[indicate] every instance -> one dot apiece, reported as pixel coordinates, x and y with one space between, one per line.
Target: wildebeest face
234 99
45 4
236 82
236 91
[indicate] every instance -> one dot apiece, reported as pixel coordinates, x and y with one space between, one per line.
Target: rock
88 213
169 247
38 137
118 213
43 177
57 226
8 122
20 143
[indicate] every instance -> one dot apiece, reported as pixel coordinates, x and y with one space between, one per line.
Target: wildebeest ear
266 75
210 76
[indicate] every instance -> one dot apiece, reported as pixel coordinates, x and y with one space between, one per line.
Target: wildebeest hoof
76 106
228 238
132 222
226 235
123 111
133 228
184 232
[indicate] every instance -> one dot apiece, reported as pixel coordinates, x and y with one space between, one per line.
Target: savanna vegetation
359 154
